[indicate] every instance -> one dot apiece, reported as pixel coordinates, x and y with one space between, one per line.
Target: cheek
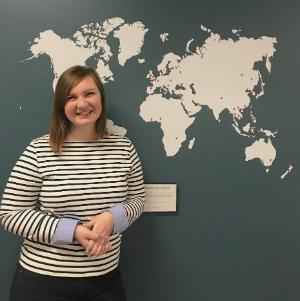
98 107
69 108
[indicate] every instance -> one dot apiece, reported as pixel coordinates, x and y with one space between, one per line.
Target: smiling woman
83 108
80 107
70 196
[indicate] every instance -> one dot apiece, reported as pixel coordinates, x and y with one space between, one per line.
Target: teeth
84 113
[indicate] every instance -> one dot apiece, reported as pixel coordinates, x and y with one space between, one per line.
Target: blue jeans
30 286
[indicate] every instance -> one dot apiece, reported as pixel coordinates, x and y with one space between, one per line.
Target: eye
90 93
70 97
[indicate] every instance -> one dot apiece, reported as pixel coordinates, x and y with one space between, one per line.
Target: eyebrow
88 90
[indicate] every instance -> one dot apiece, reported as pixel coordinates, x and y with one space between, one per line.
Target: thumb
89 224
91 235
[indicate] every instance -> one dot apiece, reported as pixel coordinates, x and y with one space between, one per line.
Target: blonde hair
60 124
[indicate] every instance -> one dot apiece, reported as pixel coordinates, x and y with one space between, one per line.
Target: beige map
221 74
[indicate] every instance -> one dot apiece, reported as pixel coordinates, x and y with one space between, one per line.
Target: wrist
64 232
77 230
120 219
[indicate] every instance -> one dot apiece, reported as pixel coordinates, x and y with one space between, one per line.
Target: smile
84 113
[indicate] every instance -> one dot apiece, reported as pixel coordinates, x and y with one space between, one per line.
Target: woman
71 195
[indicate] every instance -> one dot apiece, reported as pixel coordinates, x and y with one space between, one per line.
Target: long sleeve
123 214
135 202
120 218
19 211
47 194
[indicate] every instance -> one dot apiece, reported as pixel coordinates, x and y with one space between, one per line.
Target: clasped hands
94 235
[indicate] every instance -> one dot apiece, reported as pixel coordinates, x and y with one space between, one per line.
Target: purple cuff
64 232
120 218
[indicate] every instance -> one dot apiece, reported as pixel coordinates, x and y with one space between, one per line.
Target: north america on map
221 75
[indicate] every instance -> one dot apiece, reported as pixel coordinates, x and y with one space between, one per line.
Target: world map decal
222 74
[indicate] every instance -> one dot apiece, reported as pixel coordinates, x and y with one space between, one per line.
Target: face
83 105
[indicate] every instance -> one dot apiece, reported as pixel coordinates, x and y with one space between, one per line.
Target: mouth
85 113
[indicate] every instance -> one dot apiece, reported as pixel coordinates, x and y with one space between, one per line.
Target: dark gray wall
235 235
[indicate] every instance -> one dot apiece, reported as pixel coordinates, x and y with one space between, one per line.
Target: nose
81 102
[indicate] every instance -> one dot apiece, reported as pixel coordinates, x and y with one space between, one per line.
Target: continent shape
221 75
90 42
172 118
131 37
112 128
262 150
53 45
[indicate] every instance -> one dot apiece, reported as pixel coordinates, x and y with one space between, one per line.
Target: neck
81 134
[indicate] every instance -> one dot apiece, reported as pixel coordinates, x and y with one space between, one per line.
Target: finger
103 239
84 242
93 236
97 249
90 235
108 248
90 246
101 250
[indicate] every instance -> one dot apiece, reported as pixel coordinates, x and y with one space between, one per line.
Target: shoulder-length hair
60 124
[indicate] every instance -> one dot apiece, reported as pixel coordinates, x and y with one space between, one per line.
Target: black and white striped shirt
82 181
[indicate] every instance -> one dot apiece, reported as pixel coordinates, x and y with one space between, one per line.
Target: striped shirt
85 179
